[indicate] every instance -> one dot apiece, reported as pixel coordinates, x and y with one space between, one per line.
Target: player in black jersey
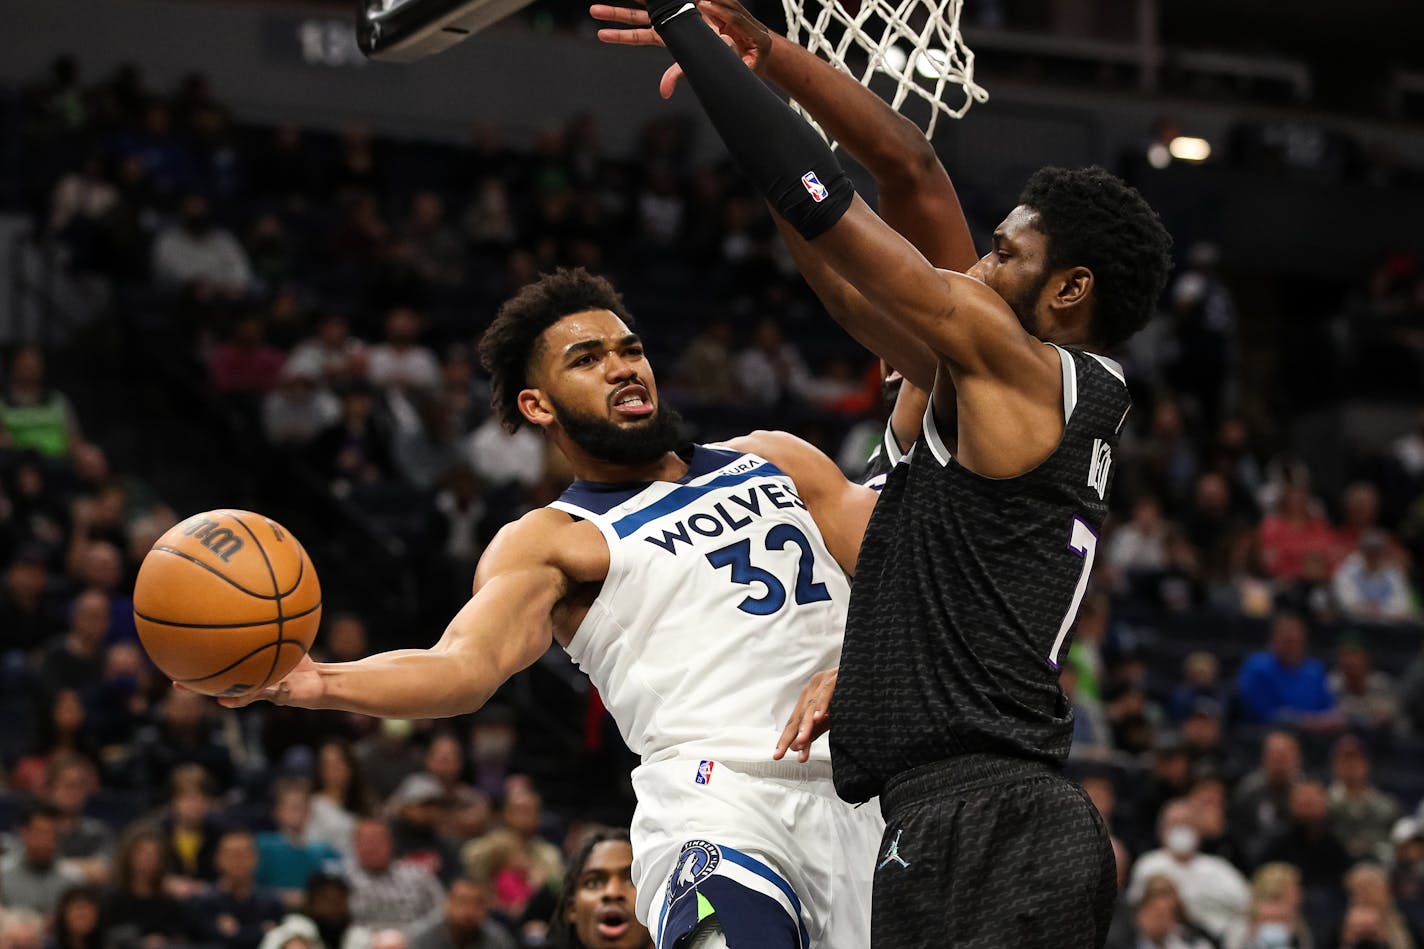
971 572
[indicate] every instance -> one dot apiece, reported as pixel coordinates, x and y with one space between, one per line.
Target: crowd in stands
1247 672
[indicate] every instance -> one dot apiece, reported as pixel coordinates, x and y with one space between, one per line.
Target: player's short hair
1096 220
512 340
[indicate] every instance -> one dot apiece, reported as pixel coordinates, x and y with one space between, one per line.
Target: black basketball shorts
983 852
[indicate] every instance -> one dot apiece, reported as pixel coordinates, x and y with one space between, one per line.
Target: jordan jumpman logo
893 853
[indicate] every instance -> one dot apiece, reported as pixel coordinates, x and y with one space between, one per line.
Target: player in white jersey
699 587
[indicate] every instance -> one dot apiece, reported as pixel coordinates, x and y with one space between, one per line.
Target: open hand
810 720
302 687
737 27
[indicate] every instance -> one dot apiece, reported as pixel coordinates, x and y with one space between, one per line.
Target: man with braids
947 703
699 586
597 899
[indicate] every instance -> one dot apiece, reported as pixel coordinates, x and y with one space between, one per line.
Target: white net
916 43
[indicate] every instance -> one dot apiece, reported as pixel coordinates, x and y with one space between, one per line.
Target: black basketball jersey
965 596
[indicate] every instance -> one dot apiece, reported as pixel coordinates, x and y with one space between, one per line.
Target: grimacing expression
1016 267
600 910
594 381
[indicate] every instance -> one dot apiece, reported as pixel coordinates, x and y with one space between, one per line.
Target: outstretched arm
505 627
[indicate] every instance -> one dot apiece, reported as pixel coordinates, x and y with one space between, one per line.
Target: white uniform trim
892 445
1070 382
937 447
1112 366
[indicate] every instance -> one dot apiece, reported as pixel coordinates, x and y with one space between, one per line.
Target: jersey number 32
738 556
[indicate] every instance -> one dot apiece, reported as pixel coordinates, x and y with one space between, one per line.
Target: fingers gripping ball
227 602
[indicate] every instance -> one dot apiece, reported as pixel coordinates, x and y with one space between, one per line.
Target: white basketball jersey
721 602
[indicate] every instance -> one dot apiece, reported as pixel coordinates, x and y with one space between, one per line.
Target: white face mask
1181 840
1272 936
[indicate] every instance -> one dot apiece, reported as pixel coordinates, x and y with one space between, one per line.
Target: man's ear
1072 288
535 407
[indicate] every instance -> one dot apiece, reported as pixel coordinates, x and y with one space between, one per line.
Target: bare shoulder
806 465
547 538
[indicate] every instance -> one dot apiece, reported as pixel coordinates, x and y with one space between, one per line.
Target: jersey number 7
738 556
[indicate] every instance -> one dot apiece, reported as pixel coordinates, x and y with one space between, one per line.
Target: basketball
227 602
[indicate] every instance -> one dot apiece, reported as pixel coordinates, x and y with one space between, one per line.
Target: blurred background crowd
289 322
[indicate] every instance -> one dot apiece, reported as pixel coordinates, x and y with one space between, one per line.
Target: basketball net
917 43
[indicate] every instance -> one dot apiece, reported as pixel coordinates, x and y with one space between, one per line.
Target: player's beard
640 443
1025 303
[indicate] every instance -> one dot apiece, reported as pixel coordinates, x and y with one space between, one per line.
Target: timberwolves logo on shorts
696 863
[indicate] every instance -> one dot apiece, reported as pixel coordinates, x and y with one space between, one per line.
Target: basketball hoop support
416 29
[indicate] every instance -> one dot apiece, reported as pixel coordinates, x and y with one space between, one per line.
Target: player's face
597 386
1016 267
600 910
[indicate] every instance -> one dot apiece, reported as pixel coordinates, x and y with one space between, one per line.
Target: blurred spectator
513 861
1091 733
1167 457
356 449
285 857
501 457
488 222
1359 515
190 826
1294 530
79 920
246 363
1367 887
33 416
61 733
705 369
1200 680
1407 865
236 911
770 371
1307 840
1365 698
21 928
468 807
1133 716
1208 800
1274 920
1168 778
418 808
77 661
1214 894
1282 684
437 245
1260 803
299 408
462 524
122 703
1370 586
33 877
1140 545
466 924
1361 815
597 898
141 911
1086 653
340 797
333 354
328 906
401 364
101 567
387 756
387 894
184 734
194 254
1158 922
27 618
84 842
426 452
1202 737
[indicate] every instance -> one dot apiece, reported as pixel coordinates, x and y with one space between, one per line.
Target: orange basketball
227 602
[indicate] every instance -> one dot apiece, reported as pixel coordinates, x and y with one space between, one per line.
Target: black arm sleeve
776 149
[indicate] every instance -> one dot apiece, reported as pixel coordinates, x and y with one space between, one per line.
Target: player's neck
670 467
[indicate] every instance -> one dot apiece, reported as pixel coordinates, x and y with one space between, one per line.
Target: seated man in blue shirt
285 858
1282 685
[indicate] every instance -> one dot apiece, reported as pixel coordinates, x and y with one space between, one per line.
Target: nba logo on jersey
813 185
704 773
1099 467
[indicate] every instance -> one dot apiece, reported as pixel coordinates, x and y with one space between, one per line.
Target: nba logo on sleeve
704 773
813 185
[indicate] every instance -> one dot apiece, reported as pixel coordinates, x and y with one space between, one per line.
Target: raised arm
504 628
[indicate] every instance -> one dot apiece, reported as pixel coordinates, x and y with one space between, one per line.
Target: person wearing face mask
1214 894
1274 920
